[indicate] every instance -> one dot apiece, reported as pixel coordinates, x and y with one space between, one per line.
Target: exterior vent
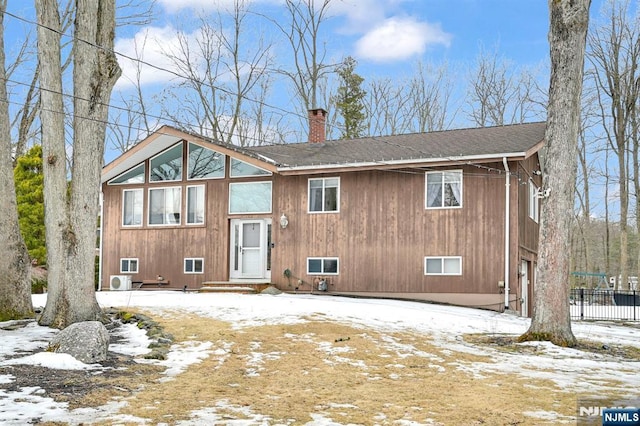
120 282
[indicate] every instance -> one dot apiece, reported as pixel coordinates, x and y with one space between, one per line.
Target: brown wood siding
527 227
161 250
380 235
383 232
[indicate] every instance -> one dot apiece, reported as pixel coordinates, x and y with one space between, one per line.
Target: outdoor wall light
284 221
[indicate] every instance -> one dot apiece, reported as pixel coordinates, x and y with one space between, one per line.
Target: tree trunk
71 224
551 319
15 265
54 159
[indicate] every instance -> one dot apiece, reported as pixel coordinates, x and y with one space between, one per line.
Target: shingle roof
485 142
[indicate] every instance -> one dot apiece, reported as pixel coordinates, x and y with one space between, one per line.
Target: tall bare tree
430 91
303 31
551 318
70 215
222 76
15 265
614 52
498 94
421 103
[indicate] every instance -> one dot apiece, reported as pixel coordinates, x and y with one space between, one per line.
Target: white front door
524 289
250 243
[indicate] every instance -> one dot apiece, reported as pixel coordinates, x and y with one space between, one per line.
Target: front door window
249 249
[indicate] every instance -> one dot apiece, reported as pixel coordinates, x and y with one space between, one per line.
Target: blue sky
387 37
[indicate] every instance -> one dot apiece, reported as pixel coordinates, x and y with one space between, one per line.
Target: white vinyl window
534 201
132 207
129 266
195 205
204 163
443 265
250 197
134 175
193 265
443 189
165 206
241 169
166 166
324 195
322 266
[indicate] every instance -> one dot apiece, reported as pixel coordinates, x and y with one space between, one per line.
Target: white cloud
400 38
360 14
173 6
147 46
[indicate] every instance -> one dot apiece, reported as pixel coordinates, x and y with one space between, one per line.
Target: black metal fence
593 304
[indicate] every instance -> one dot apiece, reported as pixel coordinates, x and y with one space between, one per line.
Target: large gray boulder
86 341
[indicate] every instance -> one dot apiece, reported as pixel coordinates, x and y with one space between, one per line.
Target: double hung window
132 207
324 195
444 189
165 205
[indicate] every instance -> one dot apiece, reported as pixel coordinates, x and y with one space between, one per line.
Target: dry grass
348 374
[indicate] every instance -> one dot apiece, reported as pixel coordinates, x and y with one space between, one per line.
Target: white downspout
100 243
507 199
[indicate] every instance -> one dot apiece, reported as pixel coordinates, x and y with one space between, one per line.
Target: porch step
232 287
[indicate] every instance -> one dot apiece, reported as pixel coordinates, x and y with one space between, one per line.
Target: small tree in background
29 186
349 99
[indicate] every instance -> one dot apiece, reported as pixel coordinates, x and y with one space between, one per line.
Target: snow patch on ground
572 370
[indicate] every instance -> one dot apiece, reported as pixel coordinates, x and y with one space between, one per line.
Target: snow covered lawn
321 360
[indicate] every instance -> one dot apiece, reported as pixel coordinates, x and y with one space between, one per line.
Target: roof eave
408 163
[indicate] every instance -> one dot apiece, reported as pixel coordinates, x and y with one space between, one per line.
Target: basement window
322 266
193 265
443 265
129 266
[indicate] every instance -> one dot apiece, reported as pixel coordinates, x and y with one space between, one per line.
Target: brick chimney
317 119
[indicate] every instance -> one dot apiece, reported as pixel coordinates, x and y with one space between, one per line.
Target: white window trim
144 176
323 179
268 173
193 259
442 258
224 161
323 259
534 202
149 207
182 173
186 206
129 259
123 206
426 187
251 183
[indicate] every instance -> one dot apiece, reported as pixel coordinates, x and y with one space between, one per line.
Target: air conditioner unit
120 282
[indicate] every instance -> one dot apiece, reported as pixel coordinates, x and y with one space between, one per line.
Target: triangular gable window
205 163
241 169
134 175
167 166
